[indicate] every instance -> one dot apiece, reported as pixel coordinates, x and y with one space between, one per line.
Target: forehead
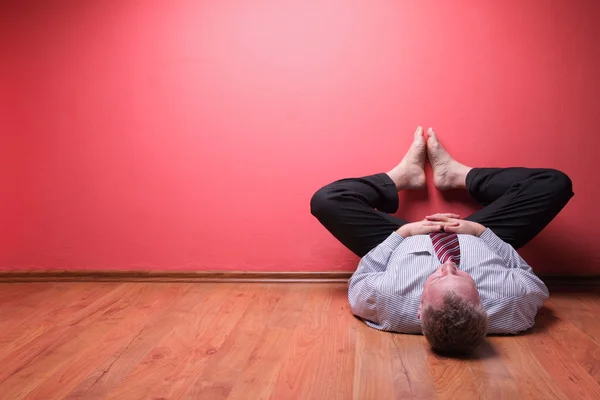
458 284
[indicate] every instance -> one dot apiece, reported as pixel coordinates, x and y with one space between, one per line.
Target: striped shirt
385 291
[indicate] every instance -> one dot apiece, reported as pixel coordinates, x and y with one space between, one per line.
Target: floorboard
83 340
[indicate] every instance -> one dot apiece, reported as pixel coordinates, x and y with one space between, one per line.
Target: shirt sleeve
514 314
362 290
504 250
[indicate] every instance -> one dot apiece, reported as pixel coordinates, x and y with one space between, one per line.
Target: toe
419 133
431 134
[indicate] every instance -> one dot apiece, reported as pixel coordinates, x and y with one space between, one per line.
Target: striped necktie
446 246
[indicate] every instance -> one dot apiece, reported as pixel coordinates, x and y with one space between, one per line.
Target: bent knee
321 202
561 183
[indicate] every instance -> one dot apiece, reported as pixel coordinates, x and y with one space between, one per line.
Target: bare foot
410 173
447 172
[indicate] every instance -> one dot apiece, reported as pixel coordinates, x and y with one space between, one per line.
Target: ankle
459 180
399 178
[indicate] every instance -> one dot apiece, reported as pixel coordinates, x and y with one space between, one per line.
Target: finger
425 229
444 215
439 225
451 228
436 228
451 215
451 223
434 225
436 217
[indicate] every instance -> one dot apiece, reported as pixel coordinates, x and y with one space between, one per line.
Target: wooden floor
272 340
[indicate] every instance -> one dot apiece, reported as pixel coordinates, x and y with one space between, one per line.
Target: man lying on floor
482 285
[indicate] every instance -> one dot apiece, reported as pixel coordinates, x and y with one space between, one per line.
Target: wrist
480 230
403 231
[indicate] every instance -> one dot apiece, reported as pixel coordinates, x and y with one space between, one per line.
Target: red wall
185 134
11 213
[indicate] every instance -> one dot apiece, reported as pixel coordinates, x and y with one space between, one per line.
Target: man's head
451 314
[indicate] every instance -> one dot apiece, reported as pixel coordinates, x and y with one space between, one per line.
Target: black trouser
518 204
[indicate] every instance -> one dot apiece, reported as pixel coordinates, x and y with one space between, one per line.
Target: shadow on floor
544 320
483 352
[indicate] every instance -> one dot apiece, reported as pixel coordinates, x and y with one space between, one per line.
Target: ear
419 313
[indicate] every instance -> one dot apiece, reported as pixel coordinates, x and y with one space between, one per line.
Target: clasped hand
445 222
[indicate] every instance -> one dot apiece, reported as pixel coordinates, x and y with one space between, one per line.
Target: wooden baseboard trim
228 276
171 276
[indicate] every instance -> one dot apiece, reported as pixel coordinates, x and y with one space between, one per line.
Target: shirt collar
417 244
